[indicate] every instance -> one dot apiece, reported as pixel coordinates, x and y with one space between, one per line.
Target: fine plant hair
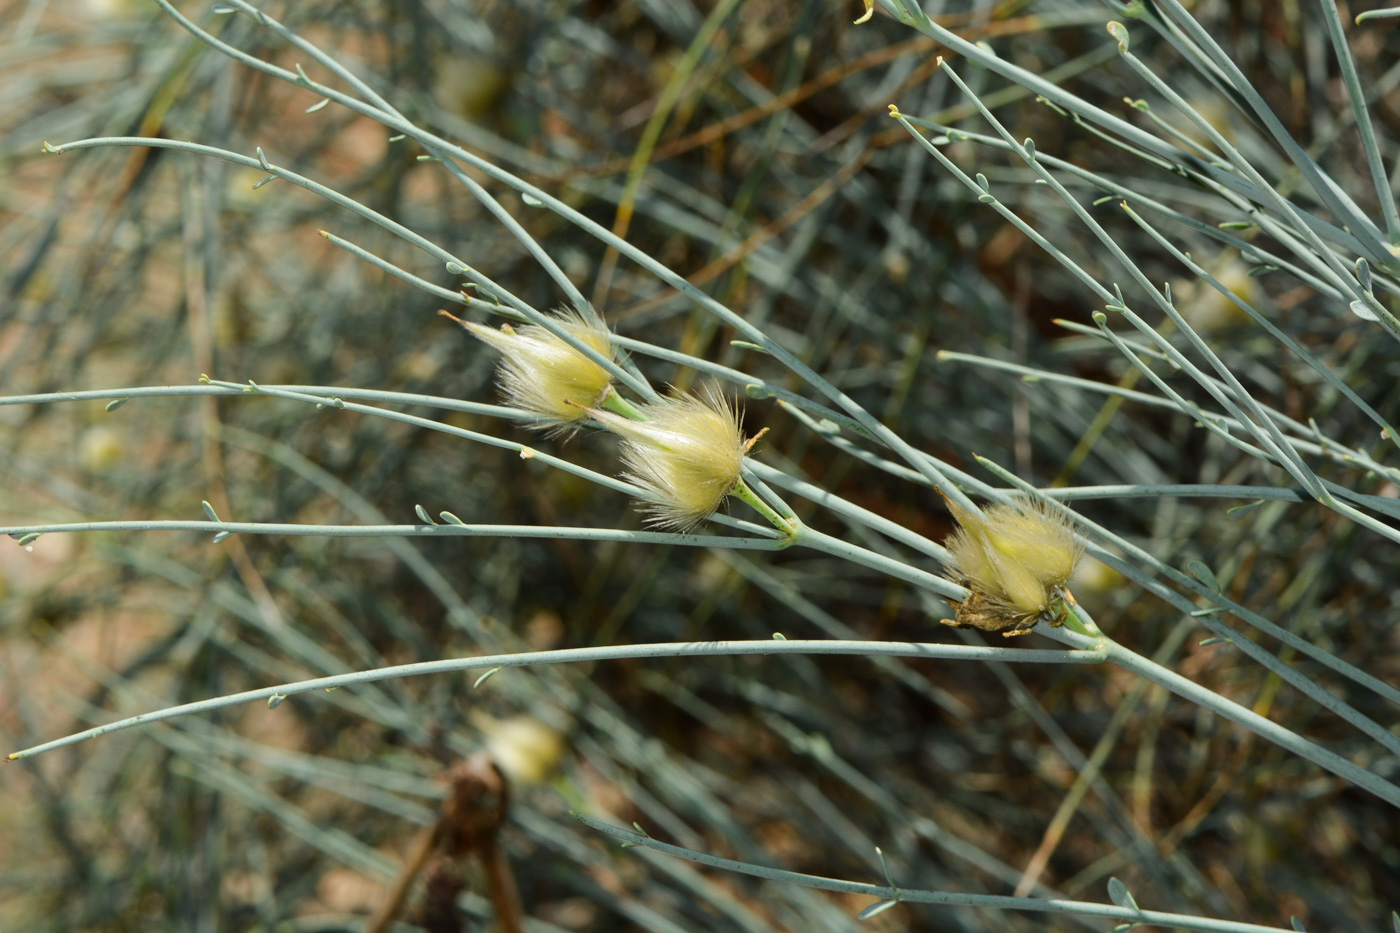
286 561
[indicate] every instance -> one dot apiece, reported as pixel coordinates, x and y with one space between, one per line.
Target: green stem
743 492
1077 620
614 402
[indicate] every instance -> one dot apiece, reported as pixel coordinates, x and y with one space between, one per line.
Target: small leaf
399 138
1203 573
1120 33
1236 225
1029 146
25 540
755 391
530 200
455 268
275 700
779 636
264 180
484 677
209 510
223 9
1118 893
638 827
1297 924
1240 511
874 910
221 536
423 515
450 518
982 182
748 345
319 105
1363 273
885 867
116 403
1359 309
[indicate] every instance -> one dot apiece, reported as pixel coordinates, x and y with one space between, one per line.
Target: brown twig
471 817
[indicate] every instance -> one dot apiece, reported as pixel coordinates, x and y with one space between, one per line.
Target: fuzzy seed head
687 455
542 374
1016 559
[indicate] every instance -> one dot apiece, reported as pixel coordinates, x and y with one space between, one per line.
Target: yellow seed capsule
1016 560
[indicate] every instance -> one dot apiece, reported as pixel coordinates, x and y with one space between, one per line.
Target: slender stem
1130 660
808 536
917 896
548 321
850 511
1265 728
407 531
1342 207
393 120
526 452
576 655
1371 243
742 492
320 393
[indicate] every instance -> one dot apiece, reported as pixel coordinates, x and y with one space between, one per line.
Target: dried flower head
687 455
540 373
1016 560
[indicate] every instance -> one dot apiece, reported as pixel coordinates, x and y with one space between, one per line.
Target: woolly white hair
542 374
687 455
1015 556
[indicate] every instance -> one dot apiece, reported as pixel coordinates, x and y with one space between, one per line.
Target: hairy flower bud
687 455
1017 560
542 374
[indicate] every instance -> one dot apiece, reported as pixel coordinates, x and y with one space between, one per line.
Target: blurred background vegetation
774 179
